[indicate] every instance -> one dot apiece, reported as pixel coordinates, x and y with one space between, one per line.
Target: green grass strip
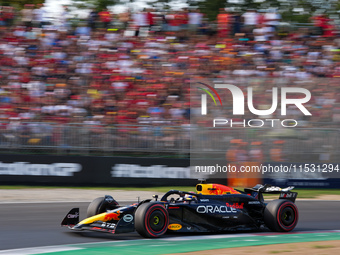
166 246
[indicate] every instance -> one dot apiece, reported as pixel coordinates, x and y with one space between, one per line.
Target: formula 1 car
213 208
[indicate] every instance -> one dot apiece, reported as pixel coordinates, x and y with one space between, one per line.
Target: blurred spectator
8 15
173 20
232 152
140 19
320 22
105 18
93 19
195 18
64 18
83 30
39 15
184 19
27 15
277 152
256 153
124 17
272 18
150 18
223 23
236 23
250 20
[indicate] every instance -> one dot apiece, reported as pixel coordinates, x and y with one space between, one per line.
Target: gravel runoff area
85 195
311 248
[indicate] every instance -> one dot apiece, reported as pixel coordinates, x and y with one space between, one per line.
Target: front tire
151 220
281 215
100 205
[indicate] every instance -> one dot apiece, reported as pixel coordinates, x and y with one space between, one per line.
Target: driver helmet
188 197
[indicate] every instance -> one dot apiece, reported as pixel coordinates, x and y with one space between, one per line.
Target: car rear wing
258 191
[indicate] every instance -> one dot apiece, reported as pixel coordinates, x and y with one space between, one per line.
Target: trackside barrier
300 144
130 171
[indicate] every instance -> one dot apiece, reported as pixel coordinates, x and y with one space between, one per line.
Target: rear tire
281 215
151 220
100 205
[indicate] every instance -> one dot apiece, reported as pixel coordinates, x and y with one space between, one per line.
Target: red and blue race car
212 208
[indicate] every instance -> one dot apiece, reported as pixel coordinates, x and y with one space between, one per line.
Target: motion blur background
112 78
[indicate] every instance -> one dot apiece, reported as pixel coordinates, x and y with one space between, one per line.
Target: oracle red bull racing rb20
213 208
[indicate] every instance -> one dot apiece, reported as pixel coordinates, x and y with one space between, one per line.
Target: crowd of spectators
136 68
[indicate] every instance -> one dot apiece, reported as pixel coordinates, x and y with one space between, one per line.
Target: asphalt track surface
25 225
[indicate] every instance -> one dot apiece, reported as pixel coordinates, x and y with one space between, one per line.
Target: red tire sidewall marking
291 226
146 221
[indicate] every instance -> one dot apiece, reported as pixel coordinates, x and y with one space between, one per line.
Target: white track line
38 250
71 247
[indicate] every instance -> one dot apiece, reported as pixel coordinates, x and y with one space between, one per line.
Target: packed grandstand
126 77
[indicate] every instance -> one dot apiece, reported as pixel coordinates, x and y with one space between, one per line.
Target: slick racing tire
100 205
281 215
151 220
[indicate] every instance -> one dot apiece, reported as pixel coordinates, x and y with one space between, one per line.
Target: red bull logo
112 216
235 205
215 190
221 189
